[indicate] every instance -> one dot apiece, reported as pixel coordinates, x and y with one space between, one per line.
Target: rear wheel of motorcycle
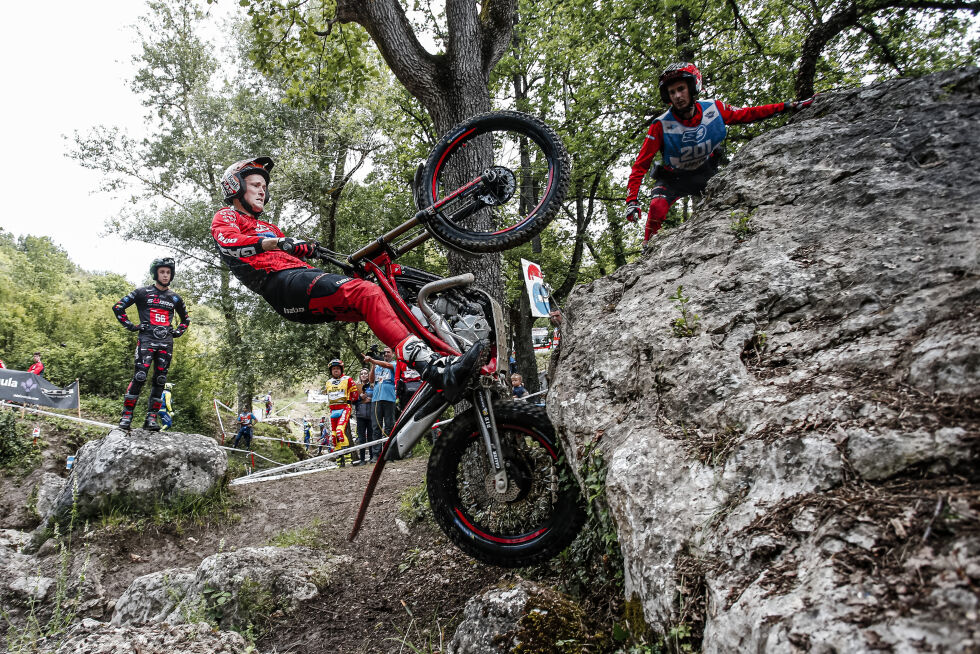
538 516
532 170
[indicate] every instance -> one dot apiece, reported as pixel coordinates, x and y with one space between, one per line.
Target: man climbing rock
689 135
156 305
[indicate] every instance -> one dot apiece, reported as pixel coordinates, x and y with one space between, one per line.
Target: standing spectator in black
362 412
37 367
156 305
382 375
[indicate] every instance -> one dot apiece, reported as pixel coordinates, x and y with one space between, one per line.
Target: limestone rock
791 465
526 616
231 589
135 471
48 490
93 637
151 598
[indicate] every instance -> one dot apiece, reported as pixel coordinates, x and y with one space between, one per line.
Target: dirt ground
402 592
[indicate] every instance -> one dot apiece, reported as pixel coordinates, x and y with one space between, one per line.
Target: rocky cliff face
795 468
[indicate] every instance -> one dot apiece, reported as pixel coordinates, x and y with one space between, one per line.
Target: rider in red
689 135
272 265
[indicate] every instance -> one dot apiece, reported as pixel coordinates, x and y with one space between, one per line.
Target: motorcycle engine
466 319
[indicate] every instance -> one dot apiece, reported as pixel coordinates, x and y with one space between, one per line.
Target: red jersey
36 368
238 235
654 141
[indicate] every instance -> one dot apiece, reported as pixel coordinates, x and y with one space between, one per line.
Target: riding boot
447 373
151 421
129 403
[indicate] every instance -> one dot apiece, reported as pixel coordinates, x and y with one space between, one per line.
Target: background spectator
517 386
37 367
362 412
382 375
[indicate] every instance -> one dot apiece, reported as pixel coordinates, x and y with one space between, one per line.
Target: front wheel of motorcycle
515 171
541 511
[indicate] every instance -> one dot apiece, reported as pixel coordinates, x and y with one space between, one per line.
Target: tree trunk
616 236
684 34
452 86
336 188
243 374
814 44
521 323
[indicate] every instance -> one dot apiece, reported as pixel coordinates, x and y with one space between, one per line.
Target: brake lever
331 257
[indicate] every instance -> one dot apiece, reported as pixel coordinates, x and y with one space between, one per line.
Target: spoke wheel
525 170
537 515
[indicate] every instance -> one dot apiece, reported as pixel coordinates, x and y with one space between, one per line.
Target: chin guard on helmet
233 179
335 362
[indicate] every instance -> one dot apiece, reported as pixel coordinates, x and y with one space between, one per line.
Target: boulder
135 472
48 490
93 637
29 586
785 389
525 617
229 589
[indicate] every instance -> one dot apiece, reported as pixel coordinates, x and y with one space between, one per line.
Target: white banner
536 291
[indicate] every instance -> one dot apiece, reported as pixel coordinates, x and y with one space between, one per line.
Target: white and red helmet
233 179
681 70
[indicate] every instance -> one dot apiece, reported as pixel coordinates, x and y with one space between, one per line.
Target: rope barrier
56 415
266 475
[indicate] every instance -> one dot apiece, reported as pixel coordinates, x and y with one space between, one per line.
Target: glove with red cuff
797 105
633 209
297 247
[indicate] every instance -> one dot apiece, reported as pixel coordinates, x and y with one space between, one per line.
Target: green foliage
413 505
17 450
308 536
176 513
687 324
741 225
593 563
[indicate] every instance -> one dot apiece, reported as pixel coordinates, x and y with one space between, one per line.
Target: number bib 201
687 148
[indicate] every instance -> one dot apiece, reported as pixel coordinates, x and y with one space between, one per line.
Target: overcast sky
66 68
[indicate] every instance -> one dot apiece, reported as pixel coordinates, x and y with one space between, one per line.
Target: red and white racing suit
296 290
688 148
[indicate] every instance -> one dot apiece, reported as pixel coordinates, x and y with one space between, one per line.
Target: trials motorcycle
498 482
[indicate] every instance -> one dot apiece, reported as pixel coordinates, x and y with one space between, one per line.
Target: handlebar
331 257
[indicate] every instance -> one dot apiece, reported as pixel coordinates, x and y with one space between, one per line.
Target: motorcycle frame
377 260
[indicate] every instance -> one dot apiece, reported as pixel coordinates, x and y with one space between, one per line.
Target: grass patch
308 536
18 453
24 638
178 513
413 505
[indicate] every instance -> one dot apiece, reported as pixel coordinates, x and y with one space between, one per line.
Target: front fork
491 437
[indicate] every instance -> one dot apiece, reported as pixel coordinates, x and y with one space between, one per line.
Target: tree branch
389 27
882 44
738 16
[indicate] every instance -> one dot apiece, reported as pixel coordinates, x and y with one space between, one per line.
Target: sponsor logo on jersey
694 135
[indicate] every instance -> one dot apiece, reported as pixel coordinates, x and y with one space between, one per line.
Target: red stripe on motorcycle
498 539
435 174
